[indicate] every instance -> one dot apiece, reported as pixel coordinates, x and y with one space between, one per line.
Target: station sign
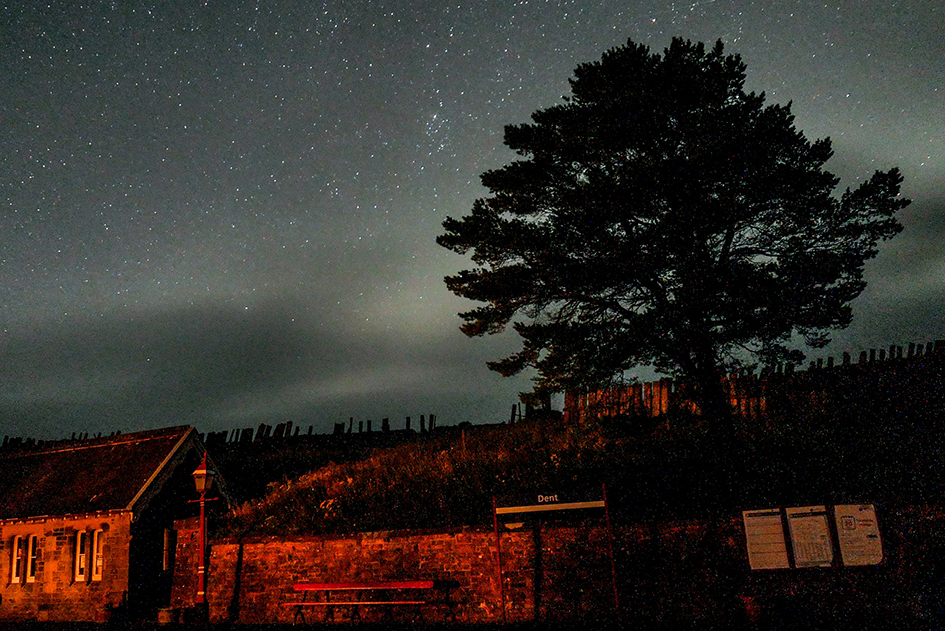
543 503
547 502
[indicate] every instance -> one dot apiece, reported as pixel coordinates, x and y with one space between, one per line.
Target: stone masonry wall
249 580
55 594
683 572
667 573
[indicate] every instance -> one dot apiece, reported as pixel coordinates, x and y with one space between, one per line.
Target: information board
765 532
810 536
858 534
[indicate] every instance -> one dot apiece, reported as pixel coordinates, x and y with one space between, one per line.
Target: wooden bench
389 593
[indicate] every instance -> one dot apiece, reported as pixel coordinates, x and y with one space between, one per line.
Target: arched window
98 559
17 552
32 558
81 556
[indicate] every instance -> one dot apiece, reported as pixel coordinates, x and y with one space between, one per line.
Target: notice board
810 536
765 534
858 534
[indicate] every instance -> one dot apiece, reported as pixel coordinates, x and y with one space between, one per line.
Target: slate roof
87 476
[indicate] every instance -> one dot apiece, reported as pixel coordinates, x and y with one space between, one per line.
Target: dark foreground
534 626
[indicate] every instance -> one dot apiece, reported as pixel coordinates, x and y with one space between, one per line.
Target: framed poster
858 534
810 536
767 549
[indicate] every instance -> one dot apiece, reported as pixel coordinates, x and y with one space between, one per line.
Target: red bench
388 593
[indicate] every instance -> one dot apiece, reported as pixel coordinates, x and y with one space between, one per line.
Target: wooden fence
752 395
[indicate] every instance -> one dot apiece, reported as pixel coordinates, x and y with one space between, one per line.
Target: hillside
448 478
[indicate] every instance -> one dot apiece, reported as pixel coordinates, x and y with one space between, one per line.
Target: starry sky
223 213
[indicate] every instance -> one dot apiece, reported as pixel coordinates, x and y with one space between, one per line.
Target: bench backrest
410 584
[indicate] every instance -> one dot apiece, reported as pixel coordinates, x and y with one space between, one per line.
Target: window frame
170 547
97 567
16 559
32 558
80 566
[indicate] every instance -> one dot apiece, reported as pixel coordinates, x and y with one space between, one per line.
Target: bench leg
300 611
329 610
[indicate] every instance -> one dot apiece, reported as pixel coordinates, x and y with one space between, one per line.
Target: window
17 550
81 556
32 559
98 560
170 543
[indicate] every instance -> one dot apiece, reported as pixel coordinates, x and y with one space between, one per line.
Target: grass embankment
441 479
448 478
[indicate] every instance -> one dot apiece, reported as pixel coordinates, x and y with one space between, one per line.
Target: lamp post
203 480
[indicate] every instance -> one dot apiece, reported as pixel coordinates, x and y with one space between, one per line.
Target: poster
858 534
765 533
810 536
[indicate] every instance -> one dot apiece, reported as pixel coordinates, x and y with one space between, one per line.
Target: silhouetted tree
662 216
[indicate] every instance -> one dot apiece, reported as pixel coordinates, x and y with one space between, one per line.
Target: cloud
219 367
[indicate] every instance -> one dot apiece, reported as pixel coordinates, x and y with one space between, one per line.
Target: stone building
86 526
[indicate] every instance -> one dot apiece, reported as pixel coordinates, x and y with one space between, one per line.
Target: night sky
223 213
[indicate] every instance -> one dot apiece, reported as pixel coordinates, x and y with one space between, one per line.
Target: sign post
498 559
613 562
544 506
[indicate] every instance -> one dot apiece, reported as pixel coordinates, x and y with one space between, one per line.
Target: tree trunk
714 405
720 453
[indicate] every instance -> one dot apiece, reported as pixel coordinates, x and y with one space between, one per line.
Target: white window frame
81 567
98 554
170 544
32 558
16 559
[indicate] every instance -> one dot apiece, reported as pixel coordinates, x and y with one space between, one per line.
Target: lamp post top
203 476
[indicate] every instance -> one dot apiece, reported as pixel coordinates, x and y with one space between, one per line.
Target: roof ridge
93 443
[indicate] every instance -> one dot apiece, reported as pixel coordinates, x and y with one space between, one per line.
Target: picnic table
383 593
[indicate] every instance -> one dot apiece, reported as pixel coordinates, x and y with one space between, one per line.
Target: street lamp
203 480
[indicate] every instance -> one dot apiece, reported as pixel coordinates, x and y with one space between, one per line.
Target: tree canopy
662 216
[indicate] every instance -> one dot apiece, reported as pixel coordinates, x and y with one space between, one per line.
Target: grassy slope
444 479
448 478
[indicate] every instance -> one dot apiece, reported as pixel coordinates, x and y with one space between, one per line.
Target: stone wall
684 572
249 580
667 573
54 594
